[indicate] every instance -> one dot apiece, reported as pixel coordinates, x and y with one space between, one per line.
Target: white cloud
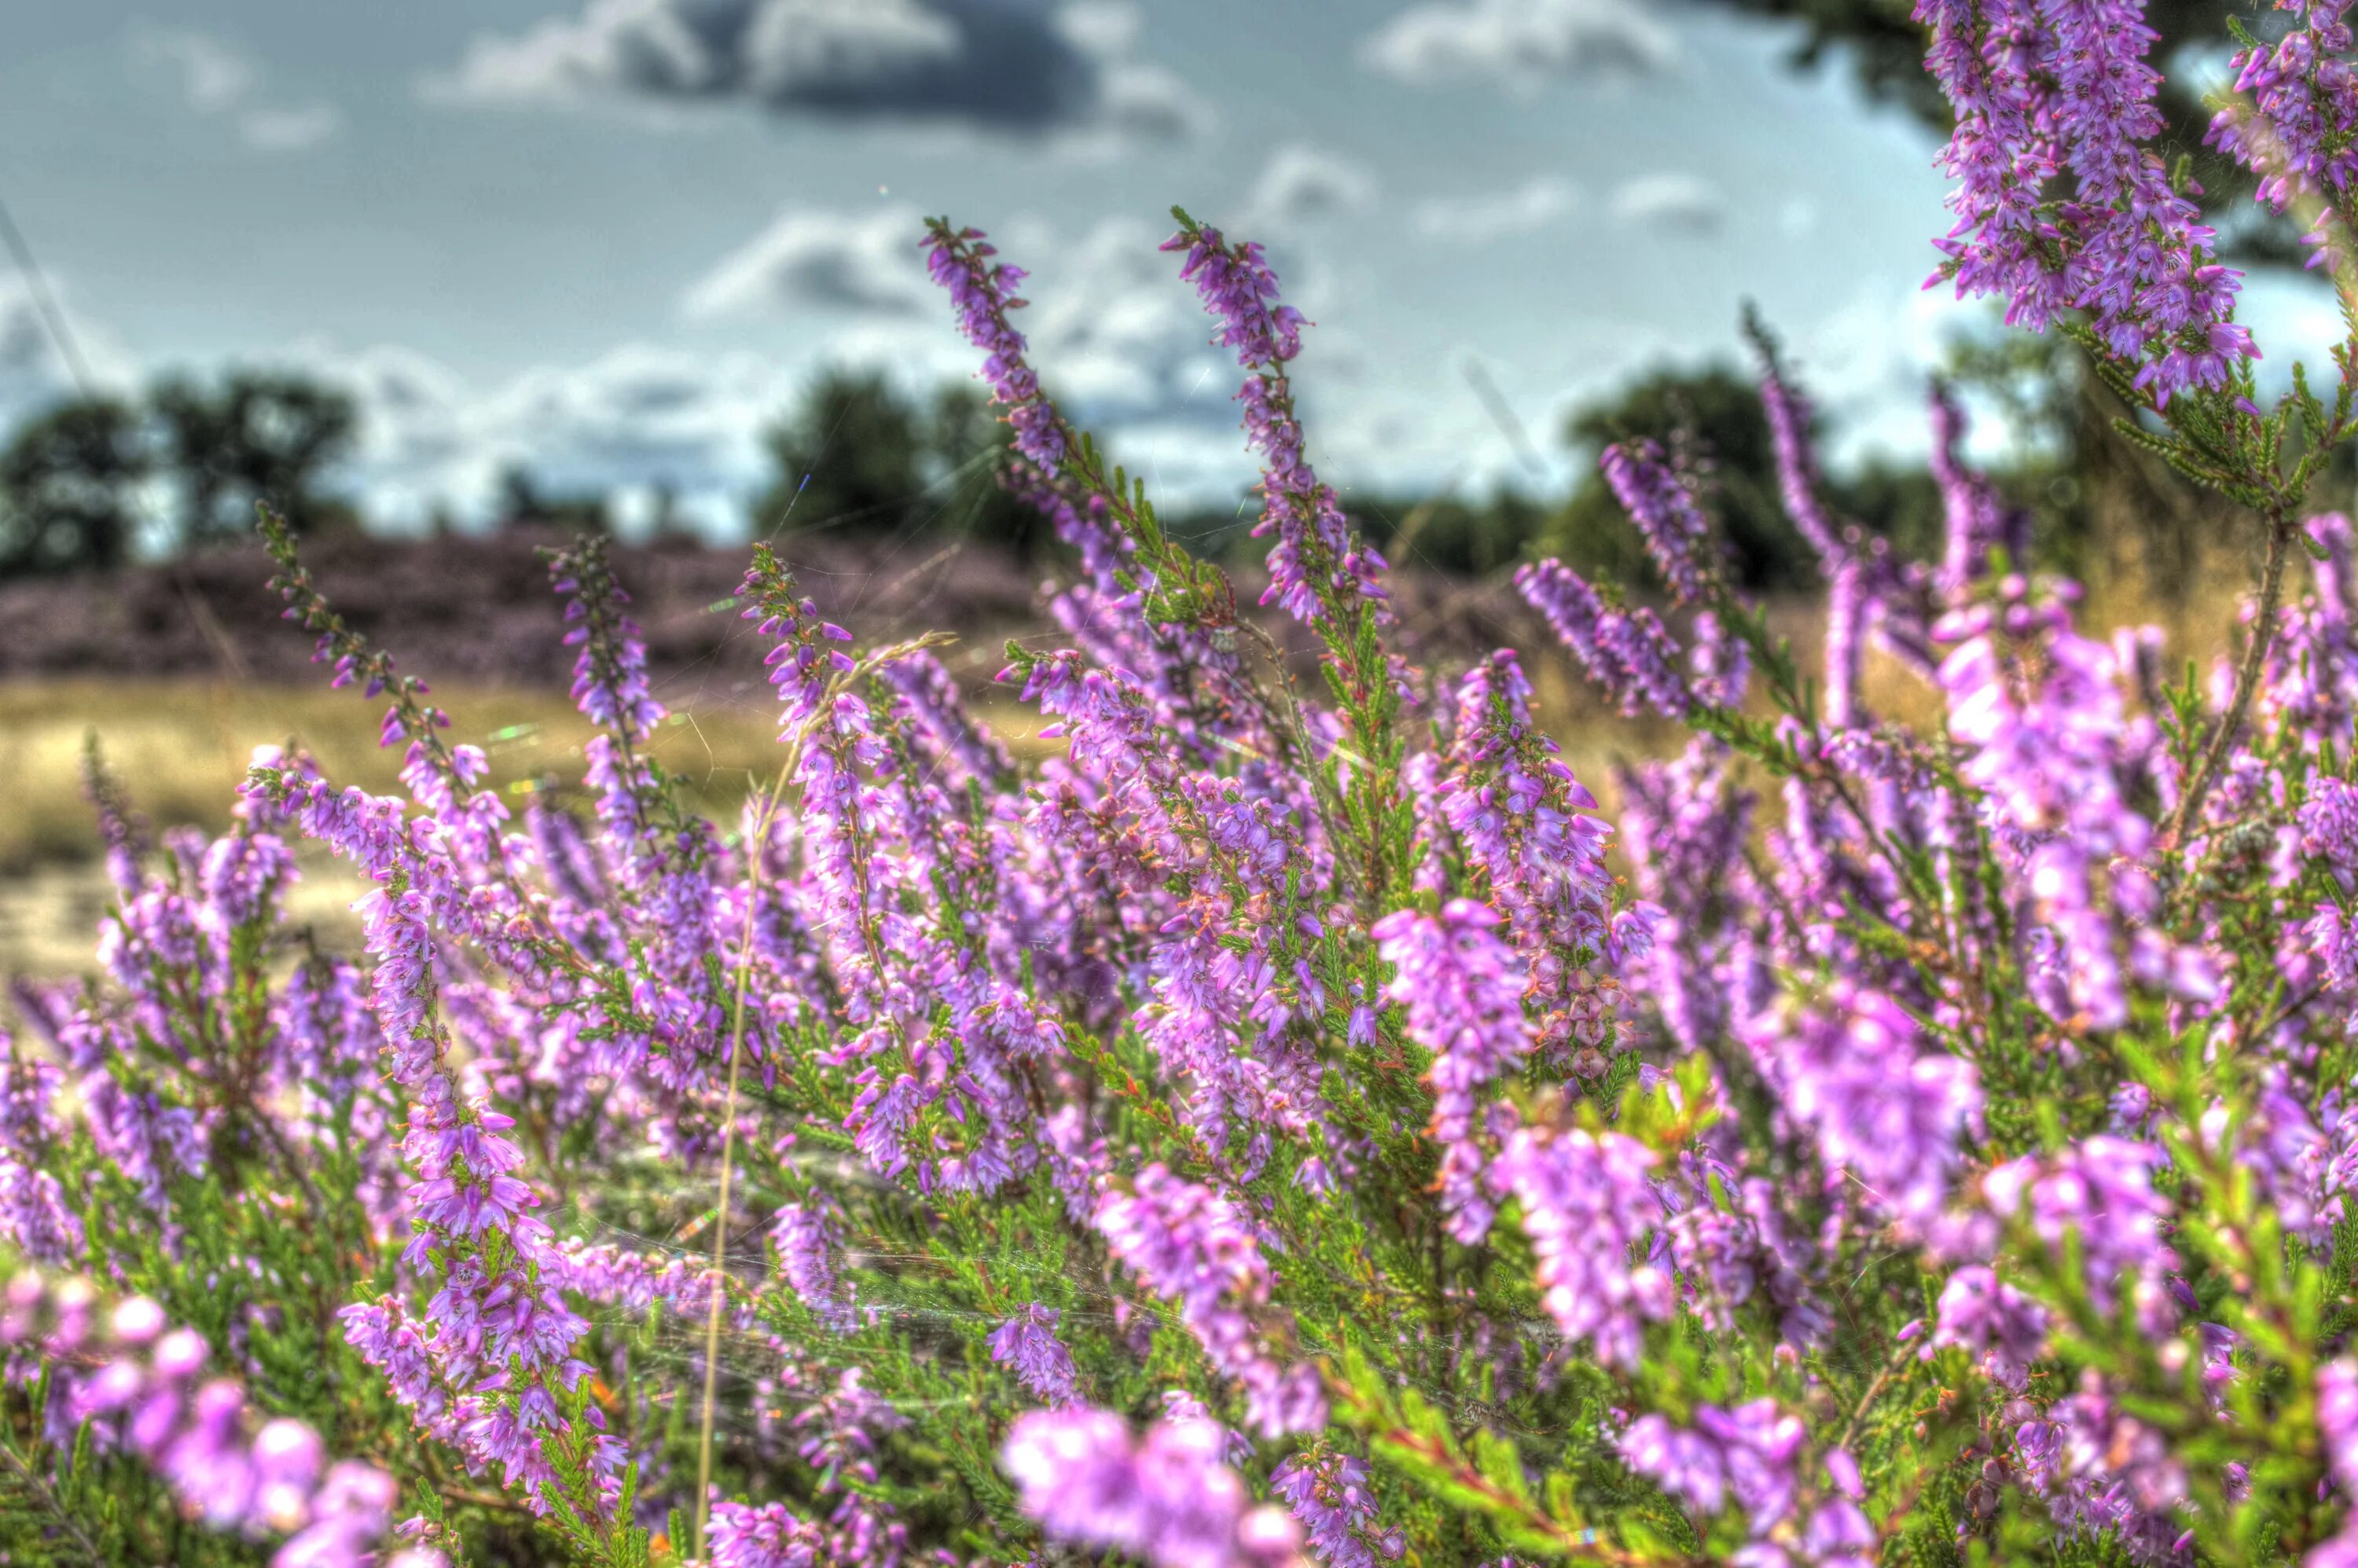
217 80
212 77
1115 333
973 63
1496 214
291 129
1670 203
1520 42
1303 184
819 259
1141 103
640 418
1111 328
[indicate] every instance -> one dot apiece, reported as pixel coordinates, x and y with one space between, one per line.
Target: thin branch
754 843
2247 678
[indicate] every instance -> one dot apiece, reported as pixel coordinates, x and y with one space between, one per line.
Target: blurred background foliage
93 483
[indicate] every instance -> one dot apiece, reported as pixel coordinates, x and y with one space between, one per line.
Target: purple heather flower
227 1465
2101 1469
1170 1501
1028 1343
1194 1246
1979 521
2296 118
769 1536
2337 1421
1685 826
1721 664
1888 1118
1660 501
983 292
1527 825
1180 1406
1627 652
1328 1493
1319 567
1588 1206
2099 1190
1462 993
2060 88
1748 1456
1981 1314
477 1320
807 1239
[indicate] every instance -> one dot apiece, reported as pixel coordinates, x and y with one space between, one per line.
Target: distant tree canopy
857 455
256 436
524 499
81 482
69 484
1712 414
90 481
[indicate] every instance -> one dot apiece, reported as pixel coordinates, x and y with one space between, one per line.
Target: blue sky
607 239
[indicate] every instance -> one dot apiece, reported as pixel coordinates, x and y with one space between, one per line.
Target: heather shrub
1291 1123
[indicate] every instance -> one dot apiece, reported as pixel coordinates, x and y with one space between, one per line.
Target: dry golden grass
181 748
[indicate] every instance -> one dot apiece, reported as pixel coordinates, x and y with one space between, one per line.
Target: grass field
182 748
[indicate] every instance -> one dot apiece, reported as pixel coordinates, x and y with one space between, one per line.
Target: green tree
256 436
847 458
968 448
69 488
859 456
1715 416
524 501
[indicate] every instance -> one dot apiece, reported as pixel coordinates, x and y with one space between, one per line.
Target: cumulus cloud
212 77
1132 362
289 130
1670 203
978 63
818 260
1496 214
1303 184
1117 334
640 418
1521 43
217 80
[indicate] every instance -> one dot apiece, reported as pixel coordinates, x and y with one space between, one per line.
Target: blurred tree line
91 481
856 456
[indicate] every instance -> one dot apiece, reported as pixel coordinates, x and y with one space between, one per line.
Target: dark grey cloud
1000 65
